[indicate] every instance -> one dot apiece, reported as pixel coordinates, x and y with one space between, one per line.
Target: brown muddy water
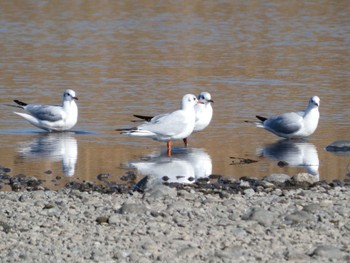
141 57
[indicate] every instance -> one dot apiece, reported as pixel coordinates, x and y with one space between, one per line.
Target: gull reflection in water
296 153
185 166
55 147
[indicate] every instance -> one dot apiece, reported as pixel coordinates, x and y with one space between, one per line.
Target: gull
51 117
203 112
170 126
294 124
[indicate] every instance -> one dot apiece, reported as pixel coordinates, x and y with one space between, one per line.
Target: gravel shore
181 223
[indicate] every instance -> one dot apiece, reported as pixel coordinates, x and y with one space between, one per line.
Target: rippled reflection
53 147
296 153
185 166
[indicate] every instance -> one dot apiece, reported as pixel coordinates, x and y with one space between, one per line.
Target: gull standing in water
203 112
294 124
170 126
51 117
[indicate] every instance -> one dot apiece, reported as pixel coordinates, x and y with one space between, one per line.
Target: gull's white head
69 95
205 97
314 101
189 100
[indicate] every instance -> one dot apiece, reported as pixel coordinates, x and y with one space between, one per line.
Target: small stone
102 219
327 251
277 178
277 192
326 203
162 191
244 184
249 192
48 206
188 252
312 208
131 208
299 217
303 178
4 170
230 252
262 216
5 227
102 176
113 219
341 145
187 195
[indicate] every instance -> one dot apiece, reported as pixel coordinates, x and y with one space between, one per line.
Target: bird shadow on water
295 153
54 147
186 165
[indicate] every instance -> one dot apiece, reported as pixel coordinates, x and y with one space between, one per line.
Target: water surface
132 57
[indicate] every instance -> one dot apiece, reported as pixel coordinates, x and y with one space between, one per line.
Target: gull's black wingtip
146 118
21 103
261 118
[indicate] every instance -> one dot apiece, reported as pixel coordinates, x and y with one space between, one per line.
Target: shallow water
124 58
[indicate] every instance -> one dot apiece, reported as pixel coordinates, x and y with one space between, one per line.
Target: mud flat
277 219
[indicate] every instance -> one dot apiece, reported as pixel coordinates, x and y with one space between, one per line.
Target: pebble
305 178
176 225
299 217
277 178
328 251
259 215
249 192
132 208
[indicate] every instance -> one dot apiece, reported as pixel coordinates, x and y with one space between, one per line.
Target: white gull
51 117
203 112
170 126
294 124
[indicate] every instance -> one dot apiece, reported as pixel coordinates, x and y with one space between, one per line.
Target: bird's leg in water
168 145
185 142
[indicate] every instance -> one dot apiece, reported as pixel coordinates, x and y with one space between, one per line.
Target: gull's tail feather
126 130
258 124
135 132
262 119
20 105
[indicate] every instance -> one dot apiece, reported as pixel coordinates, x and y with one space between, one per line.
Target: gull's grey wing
46 112
166 124
287 123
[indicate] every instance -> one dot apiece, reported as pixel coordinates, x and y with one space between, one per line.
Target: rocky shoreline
277 219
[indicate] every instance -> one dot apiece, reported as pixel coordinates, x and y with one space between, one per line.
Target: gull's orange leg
168 145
